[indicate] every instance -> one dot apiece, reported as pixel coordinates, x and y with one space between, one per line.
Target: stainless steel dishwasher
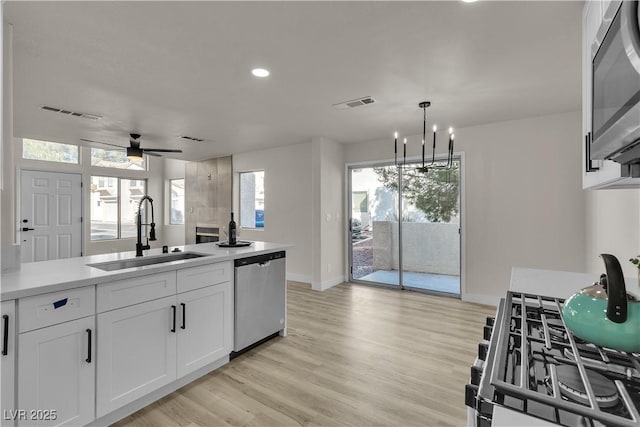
260 287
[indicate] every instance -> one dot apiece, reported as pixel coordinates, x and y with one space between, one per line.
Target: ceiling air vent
70 113
355 102
191 139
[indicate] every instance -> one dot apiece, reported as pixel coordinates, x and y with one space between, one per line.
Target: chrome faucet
152 233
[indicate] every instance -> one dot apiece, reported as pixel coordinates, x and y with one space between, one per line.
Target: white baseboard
481 299
299 277
323 286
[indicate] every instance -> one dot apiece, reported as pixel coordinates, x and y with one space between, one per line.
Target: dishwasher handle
264 264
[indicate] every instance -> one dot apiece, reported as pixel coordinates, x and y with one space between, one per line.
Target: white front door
51 216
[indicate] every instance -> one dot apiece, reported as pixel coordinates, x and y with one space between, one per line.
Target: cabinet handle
88 359
5 336
173 310
184 315
587 154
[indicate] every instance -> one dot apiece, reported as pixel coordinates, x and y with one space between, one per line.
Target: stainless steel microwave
616 87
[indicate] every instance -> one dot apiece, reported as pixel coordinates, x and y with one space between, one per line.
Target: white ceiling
165 69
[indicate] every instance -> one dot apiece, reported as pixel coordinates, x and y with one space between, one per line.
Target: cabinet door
205 331
8 359
56 373
137 352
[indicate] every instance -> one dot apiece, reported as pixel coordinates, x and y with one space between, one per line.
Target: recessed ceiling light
260 72
469 1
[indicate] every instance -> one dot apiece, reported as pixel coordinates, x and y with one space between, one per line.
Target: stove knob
490 321
476 374
486 333
483 349
470 395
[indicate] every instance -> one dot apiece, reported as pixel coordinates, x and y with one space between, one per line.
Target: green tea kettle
604 314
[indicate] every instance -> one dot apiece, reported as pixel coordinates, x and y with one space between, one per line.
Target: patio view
430 228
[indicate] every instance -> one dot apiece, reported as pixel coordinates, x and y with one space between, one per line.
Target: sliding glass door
420 252
374 225
430 244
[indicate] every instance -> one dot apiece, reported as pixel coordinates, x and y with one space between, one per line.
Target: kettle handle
616 291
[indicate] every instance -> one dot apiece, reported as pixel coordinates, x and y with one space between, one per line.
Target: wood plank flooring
354 355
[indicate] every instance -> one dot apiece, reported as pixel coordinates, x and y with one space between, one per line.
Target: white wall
524 200
288 201
10 251
173 234
328 158
612 226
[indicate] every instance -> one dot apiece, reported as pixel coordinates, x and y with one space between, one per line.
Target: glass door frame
349 167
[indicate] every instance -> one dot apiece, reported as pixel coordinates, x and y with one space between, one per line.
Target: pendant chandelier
433 165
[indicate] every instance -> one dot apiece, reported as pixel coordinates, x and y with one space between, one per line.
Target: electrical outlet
328 268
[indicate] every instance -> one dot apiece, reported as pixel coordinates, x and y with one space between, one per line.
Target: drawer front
127 292
56 307
204 275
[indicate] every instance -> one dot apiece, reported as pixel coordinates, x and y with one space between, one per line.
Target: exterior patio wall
428 247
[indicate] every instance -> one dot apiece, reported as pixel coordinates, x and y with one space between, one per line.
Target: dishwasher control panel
259 258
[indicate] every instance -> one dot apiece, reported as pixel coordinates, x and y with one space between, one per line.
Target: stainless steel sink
142 261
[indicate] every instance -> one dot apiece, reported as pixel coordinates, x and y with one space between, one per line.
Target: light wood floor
354 355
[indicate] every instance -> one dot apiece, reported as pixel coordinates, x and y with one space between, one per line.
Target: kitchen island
56 275
120 336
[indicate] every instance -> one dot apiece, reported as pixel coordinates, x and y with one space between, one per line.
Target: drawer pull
5 336
60 303
184 315
88 359
173 309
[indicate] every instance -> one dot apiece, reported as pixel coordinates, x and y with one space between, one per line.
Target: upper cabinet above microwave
611 94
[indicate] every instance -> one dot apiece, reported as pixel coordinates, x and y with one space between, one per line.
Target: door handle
88 359
5 336
184 315
173 309
27 229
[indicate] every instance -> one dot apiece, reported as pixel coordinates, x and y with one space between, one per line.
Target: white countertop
558 284
50 276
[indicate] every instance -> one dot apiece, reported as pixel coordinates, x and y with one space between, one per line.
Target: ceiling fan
134 151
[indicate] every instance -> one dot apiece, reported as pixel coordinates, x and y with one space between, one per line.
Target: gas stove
534 366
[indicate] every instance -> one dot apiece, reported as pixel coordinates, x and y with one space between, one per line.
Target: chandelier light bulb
450 130
435 128
395 135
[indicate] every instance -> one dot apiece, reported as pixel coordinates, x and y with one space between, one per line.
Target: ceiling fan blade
104 143
151 154
162 150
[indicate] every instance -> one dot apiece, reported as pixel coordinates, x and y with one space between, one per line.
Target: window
49 151
360 201
176 188
252 199
114 207
116 159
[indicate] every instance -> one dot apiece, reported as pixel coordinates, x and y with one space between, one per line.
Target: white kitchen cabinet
56 374
148 345
8 361
136 352
205 331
